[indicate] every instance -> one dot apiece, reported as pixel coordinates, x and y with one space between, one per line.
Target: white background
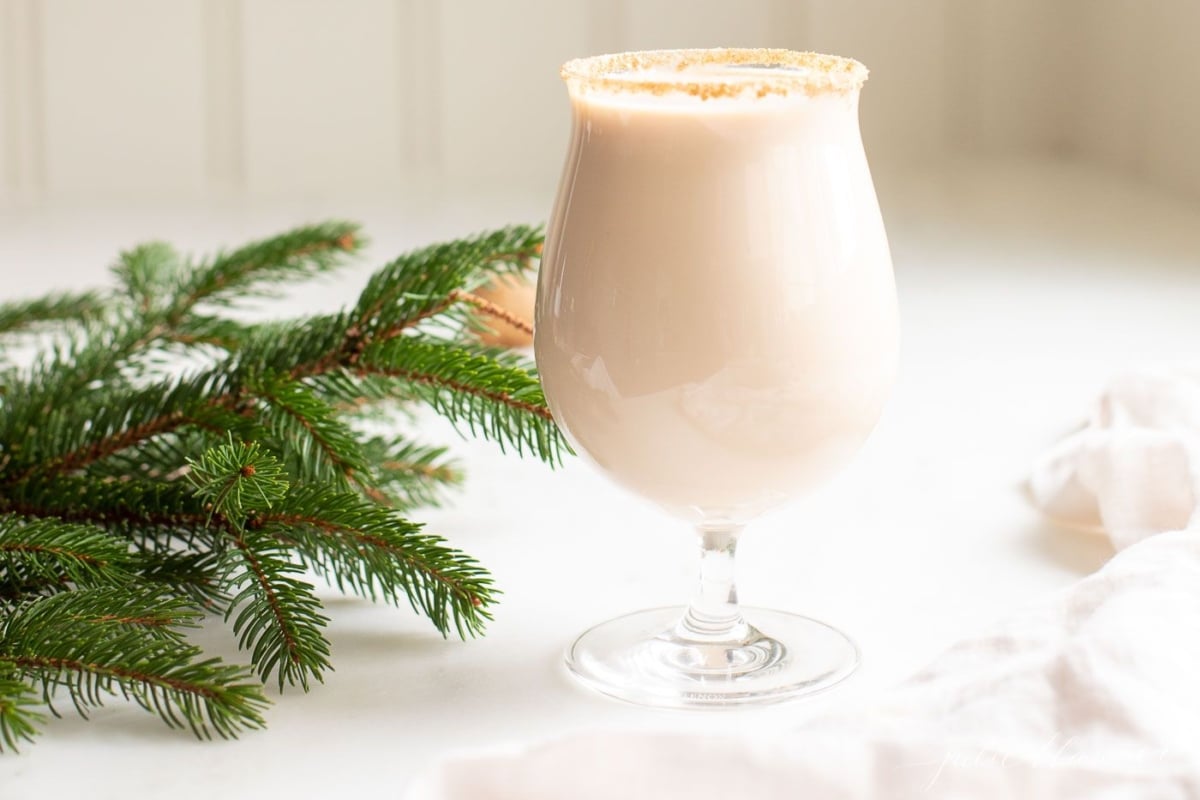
137 100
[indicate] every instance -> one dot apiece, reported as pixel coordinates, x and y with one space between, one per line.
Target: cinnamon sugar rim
783 72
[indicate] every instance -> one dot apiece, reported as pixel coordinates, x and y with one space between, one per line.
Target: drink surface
716 320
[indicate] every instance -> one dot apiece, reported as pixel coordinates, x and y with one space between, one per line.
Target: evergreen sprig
490 393
50 553
60 307
160 460
412 474
93 643
373 551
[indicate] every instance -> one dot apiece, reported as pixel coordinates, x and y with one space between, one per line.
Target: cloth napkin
1133 469
1094 693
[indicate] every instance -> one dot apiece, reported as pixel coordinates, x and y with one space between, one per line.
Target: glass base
649 658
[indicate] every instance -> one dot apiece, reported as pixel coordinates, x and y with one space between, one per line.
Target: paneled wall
187 99
1134 89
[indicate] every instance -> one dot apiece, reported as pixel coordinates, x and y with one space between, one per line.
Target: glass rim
788 72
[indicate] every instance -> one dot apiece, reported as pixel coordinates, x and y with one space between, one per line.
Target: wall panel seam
224 95
419 87
24 158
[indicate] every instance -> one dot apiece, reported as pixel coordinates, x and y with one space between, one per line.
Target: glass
716 329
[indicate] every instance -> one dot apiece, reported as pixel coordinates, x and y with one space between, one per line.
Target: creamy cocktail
716 318
717 325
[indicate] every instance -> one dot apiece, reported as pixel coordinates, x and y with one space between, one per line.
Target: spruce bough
161 460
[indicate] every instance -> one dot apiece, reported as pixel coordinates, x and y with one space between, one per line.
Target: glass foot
652 659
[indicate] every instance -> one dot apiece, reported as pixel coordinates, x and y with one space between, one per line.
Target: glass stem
713 616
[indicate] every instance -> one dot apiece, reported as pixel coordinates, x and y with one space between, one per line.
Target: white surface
1023 287
1089 692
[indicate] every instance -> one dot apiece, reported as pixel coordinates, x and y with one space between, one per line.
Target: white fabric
1093 694
1134 469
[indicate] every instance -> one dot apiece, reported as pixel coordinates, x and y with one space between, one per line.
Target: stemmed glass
716 329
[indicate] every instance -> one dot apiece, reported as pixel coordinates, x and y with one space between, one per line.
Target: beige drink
716 324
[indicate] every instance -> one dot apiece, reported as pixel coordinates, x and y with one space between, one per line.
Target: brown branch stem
435 380
145 621
492 310
109 670
344 242
436 472
260 575
328 449
374 541
118 515
24 547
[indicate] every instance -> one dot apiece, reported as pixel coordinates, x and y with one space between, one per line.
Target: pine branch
60 307
179 543
149 274
419 285
237 479
73 641
376 553
128 507
163 457
411 474
68 370
216 332
399 297
53 553
357 396
18 717
296 255
95 427
495 396
201 462
319 446
164 294
276 617
192 576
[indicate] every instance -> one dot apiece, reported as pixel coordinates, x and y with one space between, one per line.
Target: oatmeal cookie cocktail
717 330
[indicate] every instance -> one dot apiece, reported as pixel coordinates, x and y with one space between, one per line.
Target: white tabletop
1023 286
